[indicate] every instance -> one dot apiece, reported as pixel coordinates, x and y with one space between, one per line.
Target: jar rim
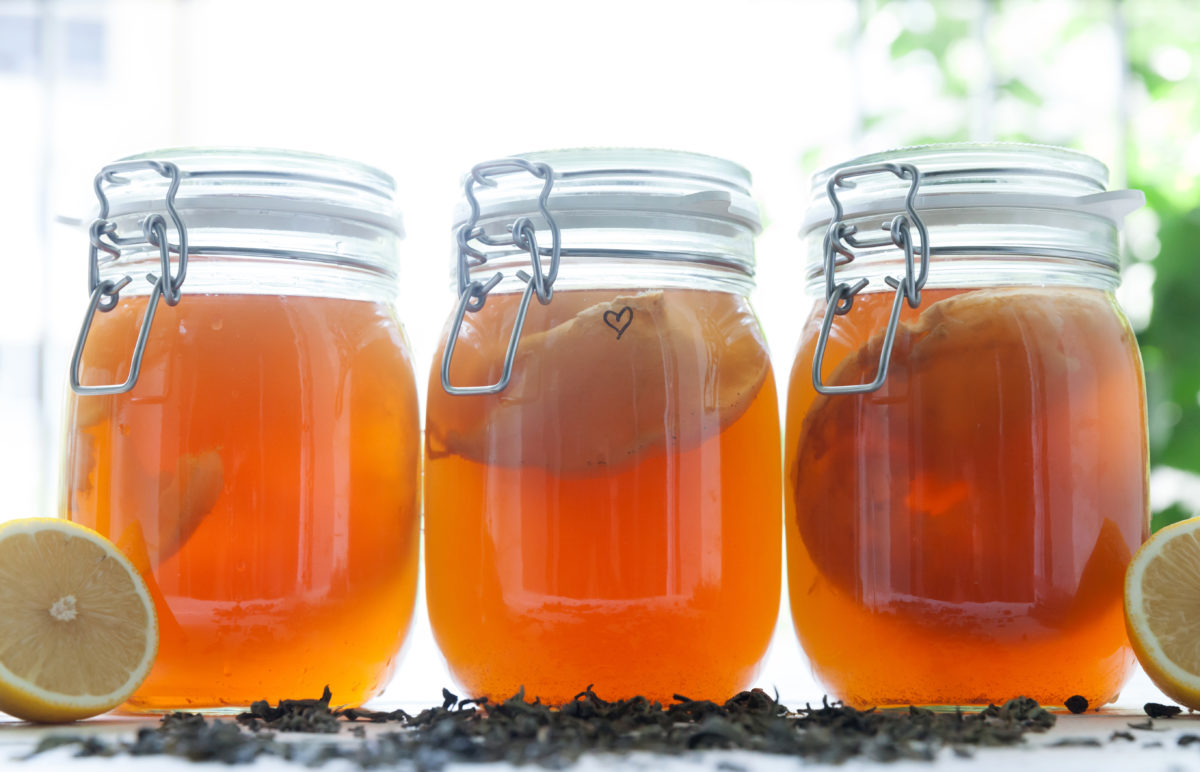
994 202
969 176
246 202
949 158
581 161
271 161
231 178
608 205
635 180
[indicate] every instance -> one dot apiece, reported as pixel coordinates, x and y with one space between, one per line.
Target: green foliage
1161 119
945 31
1021 90
1168 516
1171 342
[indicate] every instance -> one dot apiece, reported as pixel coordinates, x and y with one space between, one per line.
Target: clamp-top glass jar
244 424
602 471
966 456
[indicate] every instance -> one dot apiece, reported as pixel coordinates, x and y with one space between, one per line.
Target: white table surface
17 739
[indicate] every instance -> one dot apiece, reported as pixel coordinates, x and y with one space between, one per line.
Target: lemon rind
13 684
1135 600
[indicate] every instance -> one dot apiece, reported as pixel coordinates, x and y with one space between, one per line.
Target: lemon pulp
77 627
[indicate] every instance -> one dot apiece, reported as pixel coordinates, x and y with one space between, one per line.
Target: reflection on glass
262 477
610 518
961 535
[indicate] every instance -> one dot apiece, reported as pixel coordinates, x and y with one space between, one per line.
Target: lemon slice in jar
78 632
1162 610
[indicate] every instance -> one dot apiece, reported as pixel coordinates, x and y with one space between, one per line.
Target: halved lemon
78 632
1162 610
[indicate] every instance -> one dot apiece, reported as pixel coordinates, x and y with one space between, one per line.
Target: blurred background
426 89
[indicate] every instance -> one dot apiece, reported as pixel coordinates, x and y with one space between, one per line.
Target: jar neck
985 247
250 221
630 249
256 273
627 272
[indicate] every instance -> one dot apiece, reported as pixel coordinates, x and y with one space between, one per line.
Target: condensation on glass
258 458
609 513
959 535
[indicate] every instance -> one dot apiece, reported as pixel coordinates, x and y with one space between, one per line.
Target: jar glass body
611 517
960 536
261 474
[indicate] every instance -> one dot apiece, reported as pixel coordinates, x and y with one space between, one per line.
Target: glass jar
258 459
966 454
602 496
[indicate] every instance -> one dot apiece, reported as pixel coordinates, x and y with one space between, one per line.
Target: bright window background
424 90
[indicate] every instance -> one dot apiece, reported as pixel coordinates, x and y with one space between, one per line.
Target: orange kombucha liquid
961 535
262 475
612 518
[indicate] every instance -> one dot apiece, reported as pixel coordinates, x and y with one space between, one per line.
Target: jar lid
264 202
972 175
640 181
986 214
630 215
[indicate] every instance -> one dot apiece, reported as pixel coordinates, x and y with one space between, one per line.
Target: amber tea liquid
961 535
262 476
612 517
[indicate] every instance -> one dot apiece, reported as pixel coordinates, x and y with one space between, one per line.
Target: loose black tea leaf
1158 710
293 715
1076 742
1121 735
1076 704
59 741
374 716
1147 724
1189 739
179 719
518 731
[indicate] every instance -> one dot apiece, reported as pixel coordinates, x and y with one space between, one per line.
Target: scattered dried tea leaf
1158 710
1075 742
374 716
586 396
1076 704
86 746
1121 735
293 715
517 731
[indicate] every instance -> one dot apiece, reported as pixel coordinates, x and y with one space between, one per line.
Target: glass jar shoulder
1030 328
622 369
223 328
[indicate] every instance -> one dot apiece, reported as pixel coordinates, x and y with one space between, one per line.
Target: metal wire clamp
105 294
473 294
840 241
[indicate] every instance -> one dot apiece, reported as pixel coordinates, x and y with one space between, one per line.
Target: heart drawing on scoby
619 320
